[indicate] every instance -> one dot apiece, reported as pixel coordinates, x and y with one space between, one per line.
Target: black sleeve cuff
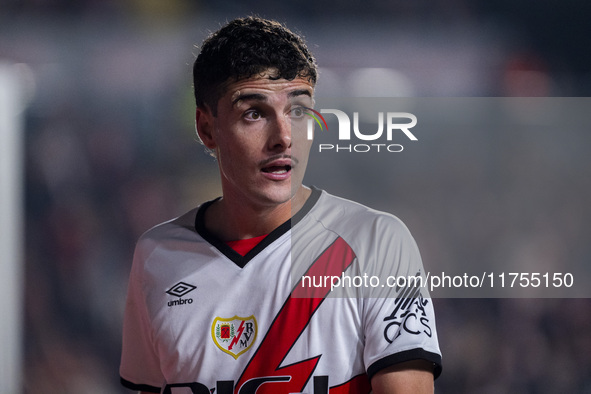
408 355
139 387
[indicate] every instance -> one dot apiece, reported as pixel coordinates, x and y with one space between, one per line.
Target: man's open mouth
277 169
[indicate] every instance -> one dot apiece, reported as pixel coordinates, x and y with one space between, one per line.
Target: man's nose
280 138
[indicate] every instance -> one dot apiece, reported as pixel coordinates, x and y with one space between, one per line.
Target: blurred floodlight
380 82
377 83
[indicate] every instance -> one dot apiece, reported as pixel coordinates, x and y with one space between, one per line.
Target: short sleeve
399 319
140 367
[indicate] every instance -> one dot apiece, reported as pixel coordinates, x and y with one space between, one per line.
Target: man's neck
232 220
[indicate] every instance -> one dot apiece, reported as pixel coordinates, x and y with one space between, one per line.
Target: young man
218 301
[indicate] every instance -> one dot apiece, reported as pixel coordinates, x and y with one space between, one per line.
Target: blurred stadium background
108 150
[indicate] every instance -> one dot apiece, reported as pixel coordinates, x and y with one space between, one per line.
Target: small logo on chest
234 335
179 290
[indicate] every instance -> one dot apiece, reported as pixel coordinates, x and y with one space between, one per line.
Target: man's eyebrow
249 96
262 97
299 92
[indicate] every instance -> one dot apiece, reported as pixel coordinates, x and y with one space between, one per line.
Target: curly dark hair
246 47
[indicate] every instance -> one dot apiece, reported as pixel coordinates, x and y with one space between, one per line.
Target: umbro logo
179 290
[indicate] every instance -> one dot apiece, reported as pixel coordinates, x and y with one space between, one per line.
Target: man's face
259 136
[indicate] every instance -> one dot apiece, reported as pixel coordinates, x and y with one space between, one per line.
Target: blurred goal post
12 105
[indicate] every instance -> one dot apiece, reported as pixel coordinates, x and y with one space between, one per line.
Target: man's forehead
267 86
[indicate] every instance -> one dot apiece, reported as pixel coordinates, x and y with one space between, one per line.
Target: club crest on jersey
234 335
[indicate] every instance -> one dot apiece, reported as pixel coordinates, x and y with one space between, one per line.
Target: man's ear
204 123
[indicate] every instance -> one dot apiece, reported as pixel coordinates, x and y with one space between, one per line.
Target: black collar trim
234 256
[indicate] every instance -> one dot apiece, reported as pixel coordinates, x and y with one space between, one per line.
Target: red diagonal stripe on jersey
289 324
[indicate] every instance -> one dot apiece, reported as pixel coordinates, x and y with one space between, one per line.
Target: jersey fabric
201 317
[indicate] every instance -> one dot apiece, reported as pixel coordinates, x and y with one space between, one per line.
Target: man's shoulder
372 235
181 226
168 242
338 212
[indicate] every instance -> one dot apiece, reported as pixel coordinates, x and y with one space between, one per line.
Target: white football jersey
200 318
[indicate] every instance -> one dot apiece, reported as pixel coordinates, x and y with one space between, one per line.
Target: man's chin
277 195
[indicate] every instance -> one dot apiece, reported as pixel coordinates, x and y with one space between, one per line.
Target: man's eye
298 112
253 115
